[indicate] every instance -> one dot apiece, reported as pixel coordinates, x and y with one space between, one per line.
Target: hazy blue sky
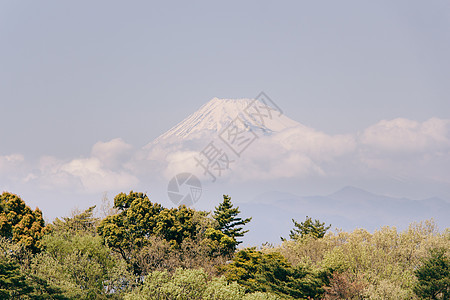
73 73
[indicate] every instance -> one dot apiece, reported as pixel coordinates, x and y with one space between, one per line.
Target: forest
138 249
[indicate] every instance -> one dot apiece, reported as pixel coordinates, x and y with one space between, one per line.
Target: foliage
345 286
185 284
176 224
191 284
12 281
377 265
77 262
80 222
16 283
19 223
261 296
271 272
141 250
315 229
434 276
228 222
159 255
131 231
137 219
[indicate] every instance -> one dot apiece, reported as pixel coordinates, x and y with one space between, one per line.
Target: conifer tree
228 222
315 229
433 277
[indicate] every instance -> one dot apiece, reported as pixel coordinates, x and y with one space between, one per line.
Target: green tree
128 229
434 276
228 221
19 223
176 224
132 230
315 229
186 284
16 282
12 282
258 271
76 260
80 222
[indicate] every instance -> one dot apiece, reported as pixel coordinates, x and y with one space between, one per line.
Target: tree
19 223
315 229
16 282
128 229
76 260
271 272
12 282
228 222
345 286
132 230
191 284
186 284
434 276
176 224
82 222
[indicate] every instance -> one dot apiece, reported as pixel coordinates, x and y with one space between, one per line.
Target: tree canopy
141 250
19 223
433 276
139 219
309 227
271 272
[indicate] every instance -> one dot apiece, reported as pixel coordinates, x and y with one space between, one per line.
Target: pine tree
315 229
228 222
433 277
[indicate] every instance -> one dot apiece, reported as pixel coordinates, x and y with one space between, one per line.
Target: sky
80 78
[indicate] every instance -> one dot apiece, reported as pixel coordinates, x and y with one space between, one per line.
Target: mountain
348 209
215 115
225 128
275 146
283 155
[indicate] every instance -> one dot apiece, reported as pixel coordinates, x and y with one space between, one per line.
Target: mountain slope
215 115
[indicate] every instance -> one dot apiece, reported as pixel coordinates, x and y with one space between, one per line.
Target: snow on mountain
215 115
275 146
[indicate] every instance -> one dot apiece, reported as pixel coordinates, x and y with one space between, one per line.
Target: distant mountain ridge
348 208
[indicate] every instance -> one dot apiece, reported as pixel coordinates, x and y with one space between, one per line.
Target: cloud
293 152
103 170
95 177
398 148
269 165
181 161
10 162
112 154
408 149
13 168
403 135
315 144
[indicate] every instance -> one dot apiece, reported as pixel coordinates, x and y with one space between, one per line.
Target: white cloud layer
399 148
104 170
408 149
403 135
112 154
8 162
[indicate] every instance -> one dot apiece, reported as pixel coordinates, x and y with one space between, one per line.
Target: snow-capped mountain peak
216 114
